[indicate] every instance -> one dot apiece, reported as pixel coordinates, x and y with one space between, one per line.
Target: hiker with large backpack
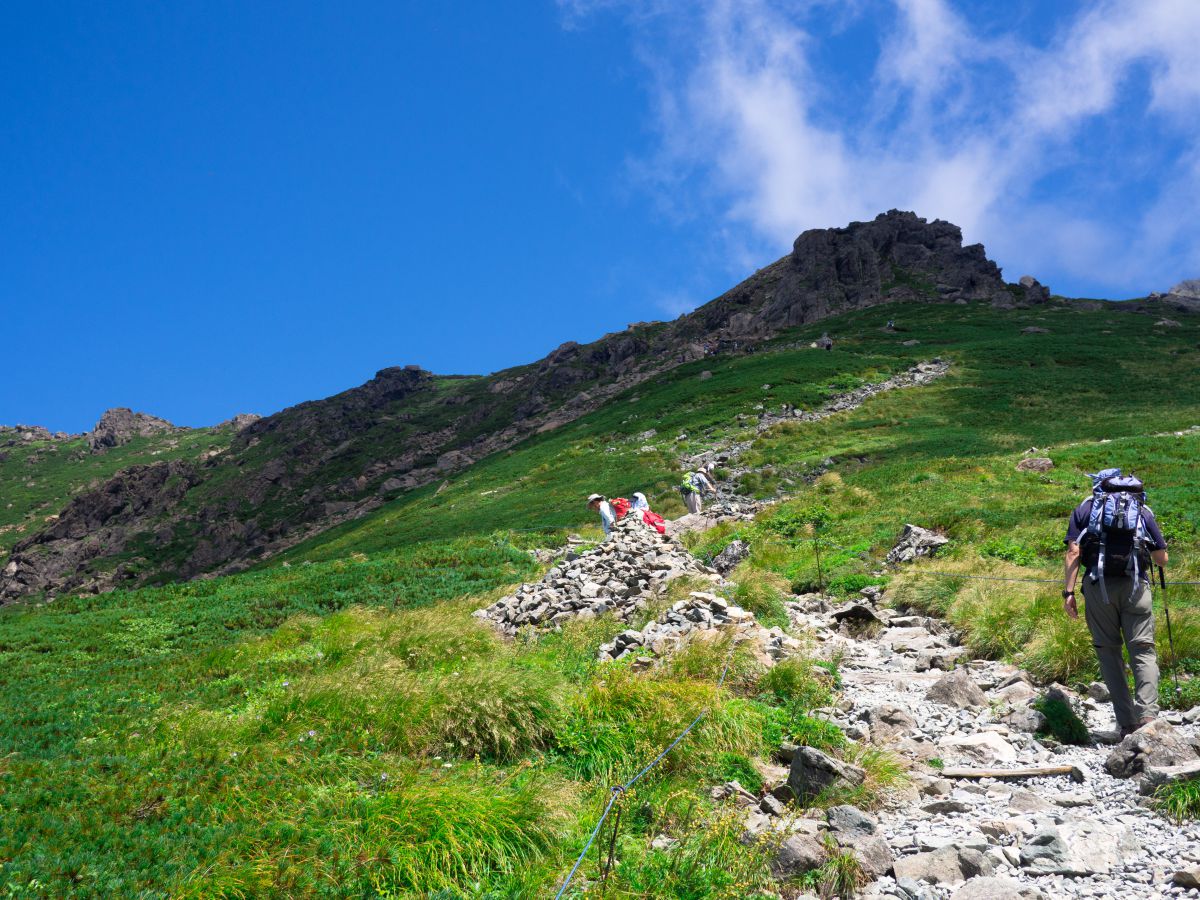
692 487
1115 536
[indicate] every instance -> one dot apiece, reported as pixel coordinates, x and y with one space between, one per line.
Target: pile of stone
916 542
701 614
615 577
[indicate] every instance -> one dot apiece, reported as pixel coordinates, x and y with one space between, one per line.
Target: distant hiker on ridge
1117 537
608 518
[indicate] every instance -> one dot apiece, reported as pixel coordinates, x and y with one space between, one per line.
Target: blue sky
212 207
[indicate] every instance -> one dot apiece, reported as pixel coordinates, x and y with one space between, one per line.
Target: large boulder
984 748
958 690
947 865
1035 292
813 772
1035 464
857 832
1158 744
1079 848
856 615
1156 776
797 854
915 542
888 721
734 553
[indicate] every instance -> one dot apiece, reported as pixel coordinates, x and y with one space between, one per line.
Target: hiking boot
1126 731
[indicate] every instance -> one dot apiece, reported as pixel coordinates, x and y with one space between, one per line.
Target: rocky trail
1067 821
728 454
1085 833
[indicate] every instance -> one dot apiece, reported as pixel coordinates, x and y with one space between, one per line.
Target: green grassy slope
39 478
1096 375
336 724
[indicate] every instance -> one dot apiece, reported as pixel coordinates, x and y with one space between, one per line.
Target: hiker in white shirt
607 517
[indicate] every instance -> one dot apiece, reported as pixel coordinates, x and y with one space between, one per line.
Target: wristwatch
1067 594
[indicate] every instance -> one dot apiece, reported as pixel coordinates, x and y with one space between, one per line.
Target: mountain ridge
320 463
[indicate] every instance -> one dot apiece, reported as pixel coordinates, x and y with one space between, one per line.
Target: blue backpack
1116 530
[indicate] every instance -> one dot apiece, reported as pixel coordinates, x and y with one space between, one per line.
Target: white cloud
958 125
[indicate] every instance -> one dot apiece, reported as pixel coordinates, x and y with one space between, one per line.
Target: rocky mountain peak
1189 288
897 256
121 425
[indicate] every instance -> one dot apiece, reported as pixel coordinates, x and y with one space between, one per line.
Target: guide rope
617 790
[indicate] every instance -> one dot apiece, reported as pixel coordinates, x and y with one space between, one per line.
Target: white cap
595 497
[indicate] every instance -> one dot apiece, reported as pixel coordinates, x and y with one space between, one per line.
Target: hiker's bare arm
1070 566
1070 572
1158 557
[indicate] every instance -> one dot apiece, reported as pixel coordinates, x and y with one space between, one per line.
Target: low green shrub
797 682
1061 722
1180 800
709 861
739 768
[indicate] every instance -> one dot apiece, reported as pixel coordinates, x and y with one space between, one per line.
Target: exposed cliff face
294 473
896 257
93 527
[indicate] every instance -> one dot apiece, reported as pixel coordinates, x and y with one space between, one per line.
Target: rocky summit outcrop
121 425
896 256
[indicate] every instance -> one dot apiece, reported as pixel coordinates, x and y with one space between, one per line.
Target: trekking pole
1162 580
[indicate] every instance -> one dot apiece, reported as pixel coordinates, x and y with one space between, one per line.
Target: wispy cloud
957 123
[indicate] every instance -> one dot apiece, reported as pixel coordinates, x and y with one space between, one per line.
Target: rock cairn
617 576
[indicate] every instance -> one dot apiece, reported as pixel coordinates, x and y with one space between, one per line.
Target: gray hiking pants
1127 619
692 499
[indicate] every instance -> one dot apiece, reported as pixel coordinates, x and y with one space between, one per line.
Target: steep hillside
310 467
338 724
40 472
